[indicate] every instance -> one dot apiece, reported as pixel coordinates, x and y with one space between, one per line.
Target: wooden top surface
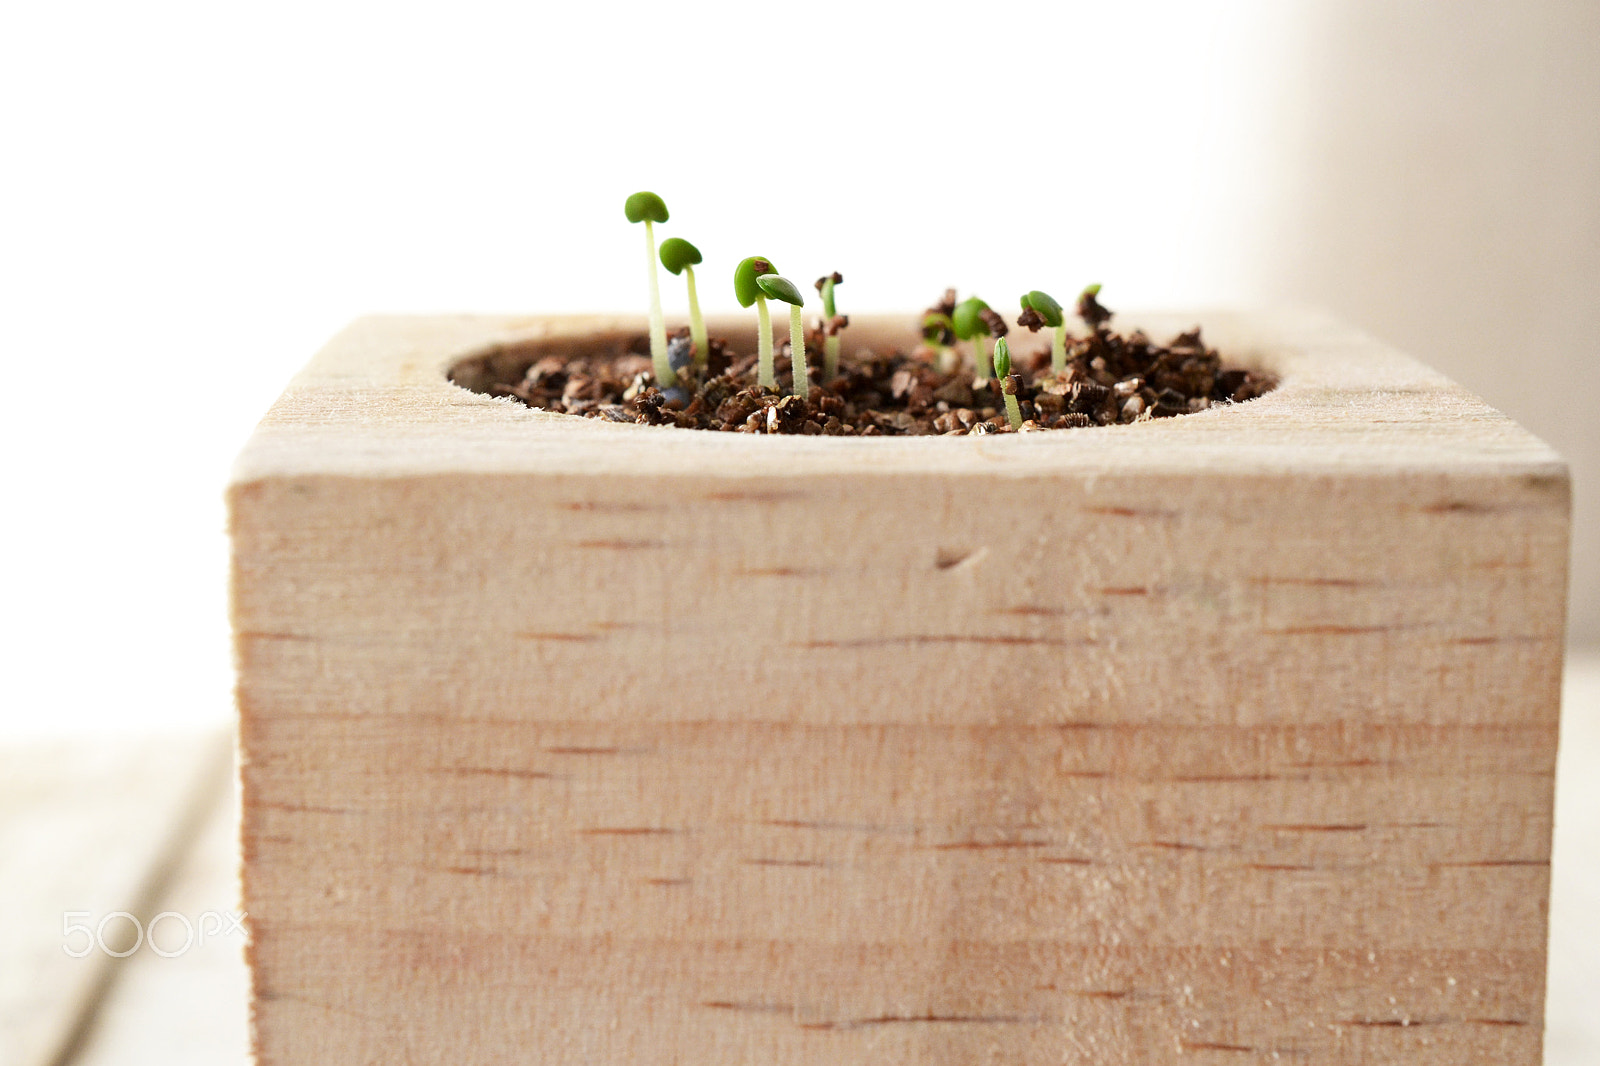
376 402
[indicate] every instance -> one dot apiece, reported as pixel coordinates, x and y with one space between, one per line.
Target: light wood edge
376 402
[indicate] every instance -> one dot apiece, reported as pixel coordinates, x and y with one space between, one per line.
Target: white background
194 196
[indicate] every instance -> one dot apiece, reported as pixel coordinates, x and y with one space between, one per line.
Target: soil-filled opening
886 383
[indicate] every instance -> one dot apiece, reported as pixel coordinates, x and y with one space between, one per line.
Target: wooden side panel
849 767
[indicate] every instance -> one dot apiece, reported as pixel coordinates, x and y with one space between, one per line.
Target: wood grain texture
1217 738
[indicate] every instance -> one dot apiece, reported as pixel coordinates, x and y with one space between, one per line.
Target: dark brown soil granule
1110 379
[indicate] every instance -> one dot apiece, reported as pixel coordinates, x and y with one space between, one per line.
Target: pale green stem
658 325
1013 411
980 358
766 376
1058 351
830 345
797 353
697 324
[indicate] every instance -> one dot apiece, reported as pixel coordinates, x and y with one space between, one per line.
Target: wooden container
1224 738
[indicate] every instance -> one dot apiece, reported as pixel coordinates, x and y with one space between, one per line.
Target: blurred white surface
1572 997
89 832
192 1009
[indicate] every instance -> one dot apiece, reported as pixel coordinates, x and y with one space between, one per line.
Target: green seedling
649 208
971 324
748 292
1089 308
832 323
781 288
1040 309
1008 385
681 257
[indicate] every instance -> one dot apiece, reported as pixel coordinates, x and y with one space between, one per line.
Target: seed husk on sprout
1089 308
832 323
1040 309
1008 381
936 334
939 333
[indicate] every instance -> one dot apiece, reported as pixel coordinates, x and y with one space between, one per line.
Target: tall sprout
748 292
781 288
649 208
681 257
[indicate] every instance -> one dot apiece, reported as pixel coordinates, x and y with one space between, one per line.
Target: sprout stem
665 377
980 358
697 324
830 343
1008 384
797 353
1058 347
766 377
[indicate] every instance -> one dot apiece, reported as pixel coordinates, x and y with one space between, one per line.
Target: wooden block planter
1222 738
